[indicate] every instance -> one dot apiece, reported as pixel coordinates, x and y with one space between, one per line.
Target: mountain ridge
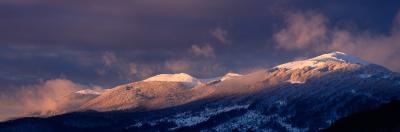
277 99
321 59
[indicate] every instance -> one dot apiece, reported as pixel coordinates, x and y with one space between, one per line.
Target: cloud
206 50
133 69
50 96
149 70
137 71
220 35
126 69
67 37
377 48
178 65
109 59
302 29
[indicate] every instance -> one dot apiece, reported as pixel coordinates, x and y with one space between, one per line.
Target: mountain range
304 95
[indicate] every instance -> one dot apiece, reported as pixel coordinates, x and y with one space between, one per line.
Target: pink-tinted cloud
133 69
148 70
51 96
376 48
221 35
206 50
178 65
109 59
302 29
126 70
308 31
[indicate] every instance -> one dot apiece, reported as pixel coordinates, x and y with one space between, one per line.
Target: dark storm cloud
45 38
111 42
153 24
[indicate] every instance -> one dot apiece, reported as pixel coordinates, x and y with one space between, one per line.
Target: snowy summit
319 60
179 77
188 79
229 76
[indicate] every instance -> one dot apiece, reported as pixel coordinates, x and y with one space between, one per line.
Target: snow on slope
179 77
156 92
340 56
320 60
188 79
89 91
229 76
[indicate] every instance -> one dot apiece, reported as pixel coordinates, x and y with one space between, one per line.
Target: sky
105 43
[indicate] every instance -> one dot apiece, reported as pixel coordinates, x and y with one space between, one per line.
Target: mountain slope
327 93
384 118
160 91
306 95
140 95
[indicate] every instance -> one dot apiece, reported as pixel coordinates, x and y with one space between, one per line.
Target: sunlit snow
89 91
180 77
319 60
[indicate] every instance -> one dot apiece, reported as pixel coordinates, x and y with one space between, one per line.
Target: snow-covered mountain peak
179 77
339 56
230 75
320 60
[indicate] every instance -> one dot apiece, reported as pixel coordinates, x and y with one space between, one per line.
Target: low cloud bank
47 98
